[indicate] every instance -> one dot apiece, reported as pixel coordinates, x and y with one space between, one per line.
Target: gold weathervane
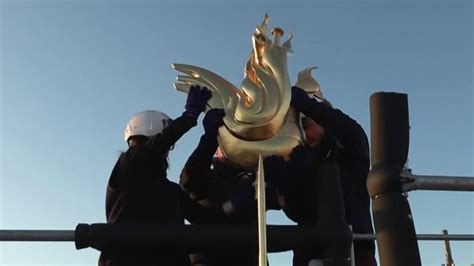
258 117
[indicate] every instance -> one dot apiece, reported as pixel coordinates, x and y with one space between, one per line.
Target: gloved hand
212 121
196 101
300 100
302 161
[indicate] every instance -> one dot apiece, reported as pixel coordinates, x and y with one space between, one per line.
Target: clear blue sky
73 72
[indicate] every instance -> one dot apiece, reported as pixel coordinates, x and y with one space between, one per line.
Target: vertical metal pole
262 221
447 247
394 227
352 250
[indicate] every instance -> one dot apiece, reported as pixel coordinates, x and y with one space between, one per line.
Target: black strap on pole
199 238
394 227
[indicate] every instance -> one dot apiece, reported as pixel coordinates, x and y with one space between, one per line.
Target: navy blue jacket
138 192
209 182
354 163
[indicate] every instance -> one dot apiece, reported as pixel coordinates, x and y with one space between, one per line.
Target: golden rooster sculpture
258 117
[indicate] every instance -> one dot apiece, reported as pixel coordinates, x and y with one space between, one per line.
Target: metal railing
412 182
387 182
69 236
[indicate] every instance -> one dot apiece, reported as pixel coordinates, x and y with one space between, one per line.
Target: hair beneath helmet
146 123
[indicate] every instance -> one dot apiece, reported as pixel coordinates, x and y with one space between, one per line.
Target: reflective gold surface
259 119
262 219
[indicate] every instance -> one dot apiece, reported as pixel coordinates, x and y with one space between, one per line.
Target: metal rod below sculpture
262 219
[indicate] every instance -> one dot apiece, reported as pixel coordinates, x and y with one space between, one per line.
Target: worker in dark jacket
210 179
138 191
332 138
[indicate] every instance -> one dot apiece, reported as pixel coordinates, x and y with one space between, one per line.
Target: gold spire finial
258 117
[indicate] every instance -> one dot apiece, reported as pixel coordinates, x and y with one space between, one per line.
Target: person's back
354 163
138 191
310 194
217 184
157 203
213 180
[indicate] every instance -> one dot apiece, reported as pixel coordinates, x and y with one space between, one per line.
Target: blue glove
300 100
212 121
196 101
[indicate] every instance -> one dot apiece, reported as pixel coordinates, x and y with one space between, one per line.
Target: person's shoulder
139 150
172 185
177 190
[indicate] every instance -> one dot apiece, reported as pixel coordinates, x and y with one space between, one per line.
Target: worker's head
141 127
144 125
221 157
313 131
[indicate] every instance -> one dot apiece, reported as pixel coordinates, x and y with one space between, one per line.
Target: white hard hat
309 84
146 123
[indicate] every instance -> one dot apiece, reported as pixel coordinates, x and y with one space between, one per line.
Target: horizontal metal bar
68 235
424 237
37 235
441 183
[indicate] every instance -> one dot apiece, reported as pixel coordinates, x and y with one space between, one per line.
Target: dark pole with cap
394 227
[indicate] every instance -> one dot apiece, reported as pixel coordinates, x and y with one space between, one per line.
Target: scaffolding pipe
68 236
446 183
393 222
37 235
424 237
199 238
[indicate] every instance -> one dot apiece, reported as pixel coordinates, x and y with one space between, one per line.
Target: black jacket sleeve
194 176
147 162
162 143
354 155
196 213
